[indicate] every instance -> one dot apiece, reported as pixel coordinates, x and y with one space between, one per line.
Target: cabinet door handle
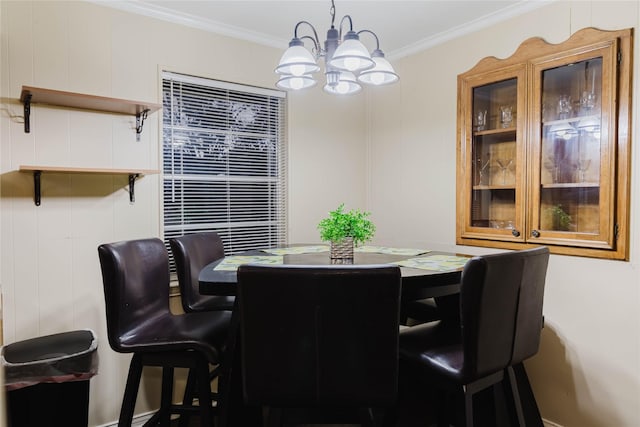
535 233
515 233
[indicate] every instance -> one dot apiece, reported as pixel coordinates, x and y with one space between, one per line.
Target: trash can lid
66 356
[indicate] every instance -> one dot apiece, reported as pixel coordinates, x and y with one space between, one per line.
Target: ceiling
402 26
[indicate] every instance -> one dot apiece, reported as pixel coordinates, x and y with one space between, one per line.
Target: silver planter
342 249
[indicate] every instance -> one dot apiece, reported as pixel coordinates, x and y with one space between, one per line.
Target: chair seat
436 346
212 303
204 332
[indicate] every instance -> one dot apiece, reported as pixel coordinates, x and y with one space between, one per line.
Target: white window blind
224 162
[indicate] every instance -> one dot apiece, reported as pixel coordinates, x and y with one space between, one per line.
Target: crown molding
470 27
170 15
212 26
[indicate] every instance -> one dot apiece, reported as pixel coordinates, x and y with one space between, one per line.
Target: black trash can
47 379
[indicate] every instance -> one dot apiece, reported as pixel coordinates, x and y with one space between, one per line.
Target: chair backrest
135 277
319 335
501 309
191 253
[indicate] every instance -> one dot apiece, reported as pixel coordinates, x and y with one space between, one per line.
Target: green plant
340 224
561 219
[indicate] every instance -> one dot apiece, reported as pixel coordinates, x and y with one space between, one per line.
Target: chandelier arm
373 34
350 24
315 44
315 39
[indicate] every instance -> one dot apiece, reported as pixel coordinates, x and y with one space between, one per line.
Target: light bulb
297 70
351 63
297 83
342 88
377 78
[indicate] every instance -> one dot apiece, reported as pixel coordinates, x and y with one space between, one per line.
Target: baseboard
548 423
138 420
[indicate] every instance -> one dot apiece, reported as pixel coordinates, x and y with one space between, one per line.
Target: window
224 162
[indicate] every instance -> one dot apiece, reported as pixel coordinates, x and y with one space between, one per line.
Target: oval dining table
416 283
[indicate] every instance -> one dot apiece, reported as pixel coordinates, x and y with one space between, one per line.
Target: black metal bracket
36 187
132 181
27 113
37 192
140 118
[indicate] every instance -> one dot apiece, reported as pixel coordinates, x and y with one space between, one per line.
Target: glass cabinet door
573 197
494 156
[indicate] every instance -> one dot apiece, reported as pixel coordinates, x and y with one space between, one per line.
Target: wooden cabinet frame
524 205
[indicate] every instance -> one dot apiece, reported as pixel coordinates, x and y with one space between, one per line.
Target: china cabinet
543 147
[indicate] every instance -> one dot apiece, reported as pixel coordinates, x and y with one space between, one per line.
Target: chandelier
347 61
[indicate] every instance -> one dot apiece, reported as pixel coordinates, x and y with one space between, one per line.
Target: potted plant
560 219
344 230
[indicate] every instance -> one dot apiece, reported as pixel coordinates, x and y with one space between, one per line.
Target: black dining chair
191 253
319 338
500 324
136 289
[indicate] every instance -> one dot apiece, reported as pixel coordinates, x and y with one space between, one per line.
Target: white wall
587 373
49 270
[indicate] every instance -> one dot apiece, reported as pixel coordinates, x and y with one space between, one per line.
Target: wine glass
481 120
588 101
506 115
564 107
581 167
482 169
504 166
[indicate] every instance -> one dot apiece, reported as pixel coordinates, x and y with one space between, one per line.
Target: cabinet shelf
35 95
494 187
38 170
495 131
572 185
570 120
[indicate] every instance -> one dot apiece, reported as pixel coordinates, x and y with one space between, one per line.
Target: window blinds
224 162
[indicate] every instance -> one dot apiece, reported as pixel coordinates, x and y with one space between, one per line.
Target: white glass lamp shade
351 55
347 85
289 82
297 61
381 74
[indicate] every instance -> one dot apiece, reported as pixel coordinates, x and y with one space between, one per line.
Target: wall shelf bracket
36 186
132 181
140 118
27 113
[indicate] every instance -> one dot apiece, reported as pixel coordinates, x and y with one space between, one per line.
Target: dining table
425 274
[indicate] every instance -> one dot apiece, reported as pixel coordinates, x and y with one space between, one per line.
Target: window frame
261 152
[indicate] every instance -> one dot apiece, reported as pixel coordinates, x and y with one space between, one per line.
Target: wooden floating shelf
36 95
37 172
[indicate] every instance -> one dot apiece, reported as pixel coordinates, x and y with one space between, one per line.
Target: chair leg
187 400
130 392
442 405
204 393
468 408
275 417
165 396
366 418
517 403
